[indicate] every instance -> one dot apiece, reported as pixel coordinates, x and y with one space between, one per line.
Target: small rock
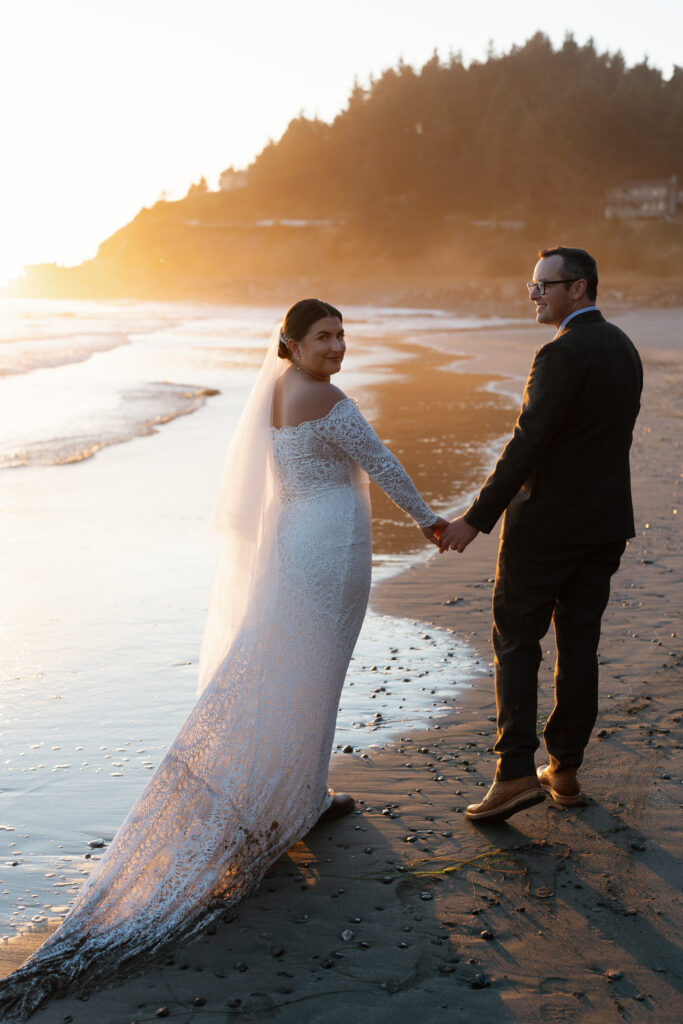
614 975
602 734
480 981
241 967
163 1011
348 749
641 847
387 879
426 896
488 935
277 951
199 1001
347 935
97 844
446 968
364 945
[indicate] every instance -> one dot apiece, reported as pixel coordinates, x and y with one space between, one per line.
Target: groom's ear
579 288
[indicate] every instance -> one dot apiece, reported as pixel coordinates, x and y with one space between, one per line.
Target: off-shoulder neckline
320 419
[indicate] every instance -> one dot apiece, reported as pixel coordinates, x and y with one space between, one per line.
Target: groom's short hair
577 263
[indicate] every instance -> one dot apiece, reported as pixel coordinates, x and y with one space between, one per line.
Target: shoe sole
326 816
562 798
506 810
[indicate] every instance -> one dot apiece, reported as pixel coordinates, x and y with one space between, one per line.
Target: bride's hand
433 532
457 535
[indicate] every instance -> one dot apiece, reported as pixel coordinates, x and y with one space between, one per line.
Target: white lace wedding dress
246 776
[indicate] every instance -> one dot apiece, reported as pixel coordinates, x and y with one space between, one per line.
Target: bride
246 777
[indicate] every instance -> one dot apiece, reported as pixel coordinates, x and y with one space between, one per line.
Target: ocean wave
42 353
138 418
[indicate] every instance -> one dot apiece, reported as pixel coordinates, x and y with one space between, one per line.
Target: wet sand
404 908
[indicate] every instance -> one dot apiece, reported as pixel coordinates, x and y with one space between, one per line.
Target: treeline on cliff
532 130
449 169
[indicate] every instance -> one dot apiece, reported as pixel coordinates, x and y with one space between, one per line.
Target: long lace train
246 776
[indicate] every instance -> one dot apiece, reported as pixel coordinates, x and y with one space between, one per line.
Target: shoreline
581 904
415 284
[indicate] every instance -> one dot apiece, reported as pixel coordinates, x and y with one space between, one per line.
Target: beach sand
404 909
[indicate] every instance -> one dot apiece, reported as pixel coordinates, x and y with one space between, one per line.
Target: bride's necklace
310 376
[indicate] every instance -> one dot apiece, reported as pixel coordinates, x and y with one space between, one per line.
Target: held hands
456 535
433 532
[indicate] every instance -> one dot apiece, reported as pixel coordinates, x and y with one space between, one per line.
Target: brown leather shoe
563 786
342 804
506 798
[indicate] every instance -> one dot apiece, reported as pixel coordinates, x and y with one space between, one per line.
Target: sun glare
103 111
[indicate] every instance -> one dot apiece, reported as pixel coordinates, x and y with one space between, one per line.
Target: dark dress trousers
564 483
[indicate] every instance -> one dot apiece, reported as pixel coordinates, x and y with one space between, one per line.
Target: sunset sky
106 106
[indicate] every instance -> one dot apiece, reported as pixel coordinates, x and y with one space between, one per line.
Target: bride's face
321 351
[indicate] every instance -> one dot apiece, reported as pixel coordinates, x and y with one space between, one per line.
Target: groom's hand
457 535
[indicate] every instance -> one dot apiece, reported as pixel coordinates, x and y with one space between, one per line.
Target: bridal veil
244 520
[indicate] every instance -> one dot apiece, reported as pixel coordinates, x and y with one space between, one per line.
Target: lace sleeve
345 427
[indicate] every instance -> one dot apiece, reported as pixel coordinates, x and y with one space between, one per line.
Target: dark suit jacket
564 476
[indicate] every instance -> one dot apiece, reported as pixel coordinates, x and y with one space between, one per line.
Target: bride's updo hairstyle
299 319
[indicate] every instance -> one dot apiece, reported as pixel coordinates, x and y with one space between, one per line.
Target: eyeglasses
542 285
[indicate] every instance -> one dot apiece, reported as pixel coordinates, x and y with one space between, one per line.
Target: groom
563 481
